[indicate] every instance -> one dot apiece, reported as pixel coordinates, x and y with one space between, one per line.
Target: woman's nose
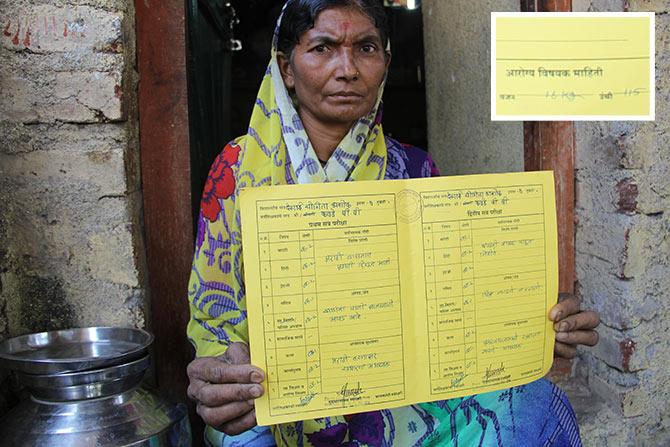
348 69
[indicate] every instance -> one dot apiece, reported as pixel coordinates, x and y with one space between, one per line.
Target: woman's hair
300 15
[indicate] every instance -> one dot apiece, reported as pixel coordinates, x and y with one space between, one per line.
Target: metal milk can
85 387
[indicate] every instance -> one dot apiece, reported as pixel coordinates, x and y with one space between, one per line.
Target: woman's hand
573 327
224 389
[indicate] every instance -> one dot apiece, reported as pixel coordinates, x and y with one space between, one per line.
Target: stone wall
461 136
70 238
623 257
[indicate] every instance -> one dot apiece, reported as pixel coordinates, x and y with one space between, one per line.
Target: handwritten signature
493 372
307 399
458 381
344 392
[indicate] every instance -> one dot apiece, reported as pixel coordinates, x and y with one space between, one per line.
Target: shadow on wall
37 305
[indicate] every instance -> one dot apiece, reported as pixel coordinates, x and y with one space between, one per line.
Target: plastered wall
70 239
461 136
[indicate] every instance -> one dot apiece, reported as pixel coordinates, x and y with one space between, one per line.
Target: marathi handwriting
331 301
356 304
584 65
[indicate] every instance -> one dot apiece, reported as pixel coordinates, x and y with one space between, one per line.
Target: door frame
166 185
550 145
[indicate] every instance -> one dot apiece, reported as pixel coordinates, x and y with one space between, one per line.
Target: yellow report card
572 66
370 295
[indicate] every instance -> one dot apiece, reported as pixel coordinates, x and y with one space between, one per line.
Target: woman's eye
320 49
368 48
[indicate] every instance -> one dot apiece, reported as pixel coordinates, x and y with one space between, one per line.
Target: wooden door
184 67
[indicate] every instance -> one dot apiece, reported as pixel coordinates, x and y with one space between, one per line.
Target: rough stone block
111 256
57 241
628 401
51 28
69 97
598 146
632 146
598 5
613 298
97 94
634 256
648 253
658 6
35 303
18 104
100 303
595 192
64 137
635 402
604 236
70 215
104 170
654 192
604 428
627 352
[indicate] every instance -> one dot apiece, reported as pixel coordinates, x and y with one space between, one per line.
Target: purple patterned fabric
405 161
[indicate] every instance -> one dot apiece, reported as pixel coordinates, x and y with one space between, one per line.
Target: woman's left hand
573 326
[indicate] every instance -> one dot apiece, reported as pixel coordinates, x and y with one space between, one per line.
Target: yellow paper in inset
370 295
572 66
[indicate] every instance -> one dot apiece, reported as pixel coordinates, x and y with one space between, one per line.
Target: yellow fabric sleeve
215 291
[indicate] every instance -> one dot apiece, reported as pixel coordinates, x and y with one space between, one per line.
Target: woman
318 118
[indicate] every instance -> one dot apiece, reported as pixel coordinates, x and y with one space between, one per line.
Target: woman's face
337 67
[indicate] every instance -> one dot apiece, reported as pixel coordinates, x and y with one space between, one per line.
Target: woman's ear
286 70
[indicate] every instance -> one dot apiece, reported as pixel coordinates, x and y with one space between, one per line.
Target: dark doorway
405 94
210 43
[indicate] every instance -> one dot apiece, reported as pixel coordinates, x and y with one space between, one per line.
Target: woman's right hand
224 389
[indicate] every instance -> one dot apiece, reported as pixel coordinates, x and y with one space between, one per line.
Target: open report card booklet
370 295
